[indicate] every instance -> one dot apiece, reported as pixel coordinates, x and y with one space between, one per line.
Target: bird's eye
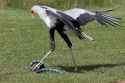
32 11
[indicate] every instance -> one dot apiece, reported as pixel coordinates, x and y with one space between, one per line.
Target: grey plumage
67 21
106 19
84 16
72 19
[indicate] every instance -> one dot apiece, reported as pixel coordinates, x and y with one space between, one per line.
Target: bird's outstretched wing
81 15
84 16
66 21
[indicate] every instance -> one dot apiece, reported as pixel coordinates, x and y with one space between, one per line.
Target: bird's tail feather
105 19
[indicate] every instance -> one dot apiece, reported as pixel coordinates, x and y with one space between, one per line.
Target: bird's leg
73 59
69 44
87 36
42 60
52 47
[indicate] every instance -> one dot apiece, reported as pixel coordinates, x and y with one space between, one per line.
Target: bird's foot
36 66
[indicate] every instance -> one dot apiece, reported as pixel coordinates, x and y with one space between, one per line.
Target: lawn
23 39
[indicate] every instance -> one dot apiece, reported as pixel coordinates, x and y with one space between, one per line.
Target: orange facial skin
33 13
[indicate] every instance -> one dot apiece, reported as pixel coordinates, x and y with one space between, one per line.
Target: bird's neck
43 16
47 19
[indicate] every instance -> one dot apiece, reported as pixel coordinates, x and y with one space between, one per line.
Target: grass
23 39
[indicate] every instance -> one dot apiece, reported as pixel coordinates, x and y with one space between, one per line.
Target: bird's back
76 12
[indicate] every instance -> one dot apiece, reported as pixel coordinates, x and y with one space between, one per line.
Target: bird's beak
33 13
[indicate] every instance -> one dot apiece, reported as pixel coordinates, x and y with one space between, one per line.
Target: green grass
23 39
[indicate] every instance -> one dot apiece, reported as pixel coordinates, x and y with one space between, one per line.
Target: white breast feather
48 20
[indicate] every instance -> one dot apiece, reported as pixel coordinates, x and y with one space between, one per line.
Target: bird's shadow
83 68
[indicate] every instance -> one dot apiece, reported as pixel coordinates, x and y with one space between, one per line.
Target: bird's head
41 10
38 10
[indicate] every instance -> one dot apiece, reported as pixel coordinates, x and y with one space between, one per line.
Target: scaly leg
73 59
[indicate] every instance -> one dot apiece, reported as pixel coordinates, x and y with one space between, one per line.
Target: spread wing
60 15
84 16
81 15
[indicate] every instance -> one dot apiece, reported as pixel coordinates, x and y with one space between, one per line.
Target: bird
70 20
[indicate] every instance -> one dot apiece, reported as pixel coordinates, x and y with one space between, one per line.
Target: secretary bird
69 20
